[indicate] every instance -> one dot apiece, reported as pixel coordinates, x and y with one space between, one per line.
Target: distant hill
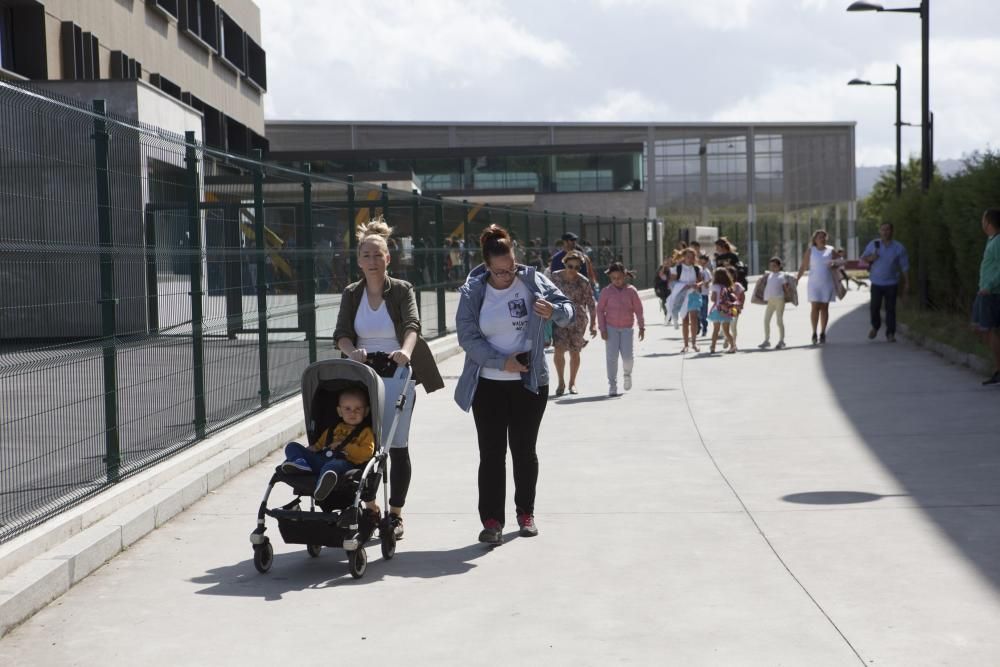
867 176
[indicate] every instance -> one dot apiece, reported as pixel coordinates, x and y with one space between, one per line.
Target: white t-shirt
504 321
374 328
689 274
775 285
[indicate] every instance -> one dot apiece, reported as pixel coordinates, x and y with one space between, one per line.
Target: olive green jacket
401 303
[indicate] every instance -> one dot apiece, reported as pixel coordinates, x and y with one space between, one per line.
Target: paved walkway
813 506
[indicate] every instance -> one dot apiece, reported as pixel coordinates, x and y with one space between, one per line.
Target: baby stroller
342 522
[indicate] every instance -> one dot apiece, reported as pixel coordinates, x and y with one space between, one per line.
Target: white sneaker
612 391
628 382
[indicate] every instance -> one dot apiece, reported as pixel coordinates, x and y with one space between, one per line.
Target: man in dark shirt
569 243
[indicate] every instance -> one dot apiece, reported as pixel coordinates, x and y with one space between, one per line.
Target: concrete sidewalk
811 506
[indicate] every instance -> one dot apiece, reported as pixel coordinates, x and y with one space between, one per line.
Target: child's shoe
628 381
780 345
765 345
324 487
612 390
296 466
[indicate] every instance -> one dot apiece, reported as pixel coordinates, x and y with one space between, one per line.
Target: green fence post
614 239
194 267
419 260
261 248
631 260
352 243
112 455
309 282
438 242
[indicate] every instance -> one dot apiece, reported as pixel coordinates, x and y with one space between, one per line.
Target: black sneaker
492 533
295 467
993 379
822 339
527 523
815 339
872 333
325 485
890 338
396 522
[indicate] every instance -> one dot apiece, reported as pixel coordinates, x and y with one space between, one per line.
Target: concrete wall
156 42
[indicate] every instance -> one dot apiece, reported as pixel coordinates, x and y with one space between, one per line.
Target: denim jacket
480 354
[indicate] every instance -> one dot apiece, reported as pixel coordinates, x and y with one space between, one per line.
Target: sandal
560 390
573 390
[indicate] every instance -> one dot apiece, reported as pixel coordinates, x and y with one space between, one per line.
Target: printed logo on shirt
518 308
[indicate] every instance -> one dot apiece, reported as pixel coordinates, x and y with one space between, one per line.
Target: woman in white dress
818 261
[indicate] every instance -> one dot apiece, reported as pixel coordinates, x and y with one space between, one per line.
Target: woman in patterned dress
571 338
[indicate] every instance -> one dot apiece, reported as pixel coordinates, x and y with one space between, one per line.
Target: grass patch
950 328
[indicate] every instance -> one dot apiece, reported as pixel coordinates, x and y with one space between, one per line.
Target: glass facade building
765 186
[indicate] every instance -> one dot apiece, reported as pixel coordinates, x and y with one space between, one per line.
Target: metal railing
155 290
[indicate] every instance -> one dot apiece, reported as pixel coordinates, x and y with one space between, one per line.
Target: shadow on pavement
837 497
584 399
930 425
297 571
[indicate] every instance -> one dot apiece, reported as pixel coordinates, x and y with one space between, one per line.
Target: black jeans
888 293
505 410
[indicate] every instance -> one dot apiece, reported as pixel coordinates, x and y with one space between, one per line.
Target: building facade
763 184
203 54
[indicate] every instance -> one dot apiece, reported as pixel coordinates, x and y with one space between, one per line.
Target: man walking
569 243
888 265
986 309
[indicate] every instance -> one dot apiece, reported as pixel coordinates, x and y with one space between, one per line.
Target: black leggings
505 410
399 475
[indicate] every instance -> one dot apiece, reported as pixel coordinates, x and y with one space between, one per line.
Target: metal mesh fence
156 290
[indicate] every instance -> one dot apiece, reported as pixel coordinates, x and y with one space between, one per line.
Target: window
166 85
200 20
231 46
256 64
237 139
166 7
124 68
80 53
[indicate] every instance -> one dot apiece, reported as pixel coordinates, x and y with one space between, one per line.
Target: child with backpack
707 268
724 307
685 300
617 309
774 289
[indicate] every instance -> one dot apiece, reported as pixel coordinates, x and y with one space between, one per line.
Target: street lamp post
898 85
926 148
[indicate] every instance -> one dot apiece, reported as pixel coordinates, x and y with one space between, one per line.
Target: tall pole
926 150
899 127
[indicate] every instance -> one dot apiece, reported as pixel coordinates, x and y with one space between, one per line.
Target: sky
638 60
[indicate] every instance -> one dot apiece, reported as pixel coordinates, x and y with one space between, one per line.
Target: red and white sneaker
527 523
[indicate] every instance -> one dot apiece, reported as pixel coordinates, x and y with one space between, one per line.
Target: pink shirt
617 307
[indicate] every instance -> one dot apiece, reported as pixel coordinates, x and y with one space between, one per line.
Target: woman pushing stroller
379 314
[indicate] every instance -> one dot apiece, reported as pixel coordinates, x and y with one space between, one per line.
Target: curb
45 562
947 352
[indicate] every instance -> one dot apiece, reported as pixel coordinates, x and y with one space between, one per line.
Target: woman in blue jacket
502 311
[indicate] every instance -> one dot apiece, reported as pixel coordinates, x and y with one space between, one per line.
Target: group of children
693 293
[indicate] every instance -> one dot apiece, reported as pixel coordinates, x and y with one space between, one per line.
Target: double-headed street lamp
926 147
898 85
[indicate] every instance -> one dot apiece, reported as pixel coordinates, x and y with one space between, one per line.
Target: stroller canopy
335 375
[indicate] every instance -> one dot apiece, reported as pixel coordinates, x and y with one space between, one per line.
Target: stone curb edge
947 352
45 562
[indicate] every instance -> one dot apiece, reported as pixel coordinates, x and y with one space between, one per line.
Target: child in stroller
348 447
361 427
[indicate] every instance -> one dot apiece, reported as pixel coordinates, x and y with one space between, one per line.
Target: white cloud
385 46
713 14
622 106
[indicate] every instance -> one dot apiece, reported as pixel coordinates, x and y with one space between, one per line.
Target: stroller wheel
314 549
358 562
388 538
263 557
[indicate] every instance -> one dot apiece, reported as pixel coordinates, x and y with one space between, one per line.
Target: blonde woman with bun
379 314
